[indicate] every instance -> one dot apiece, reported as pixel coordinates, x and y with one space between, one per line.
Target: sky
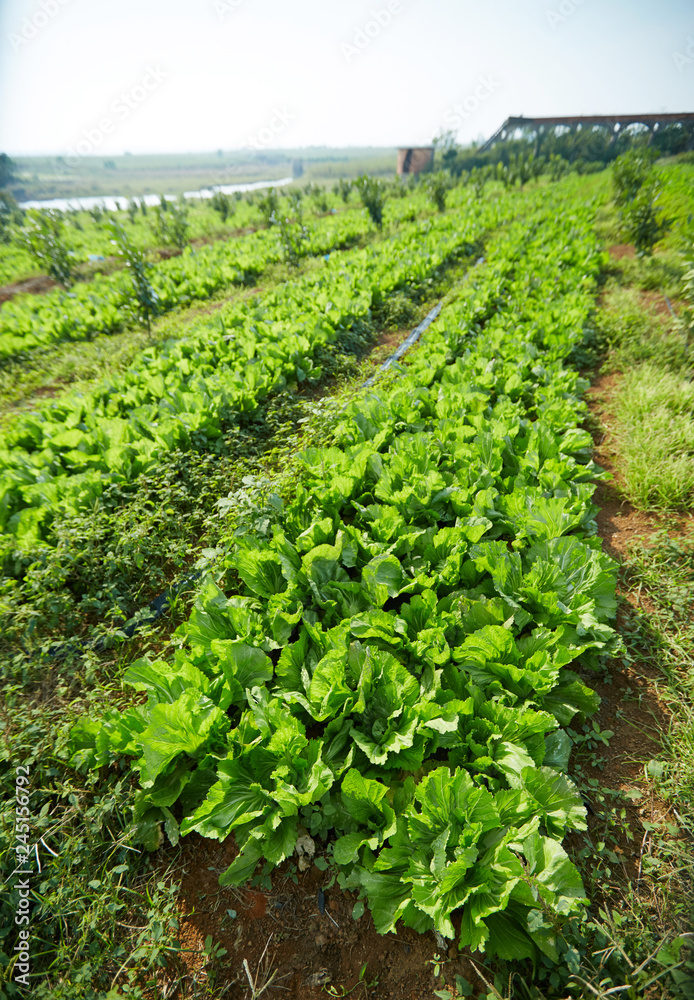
144 76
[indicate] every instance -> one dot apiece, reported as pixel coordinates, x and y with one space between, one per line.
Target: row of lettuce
394 672
182 393
103 305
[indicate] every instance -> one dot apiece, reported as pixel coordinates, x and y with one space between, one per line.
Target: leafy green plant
341 606
43 239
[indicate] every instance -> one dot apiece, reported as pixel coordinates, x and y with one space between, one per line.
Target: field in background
174 173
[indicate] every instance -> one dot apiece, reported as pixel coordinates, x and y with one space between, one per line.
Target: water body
113 202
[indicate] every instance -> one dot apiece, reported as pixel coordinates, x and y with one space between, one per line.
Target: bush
42 238
268 205
373 196
171 223
9 213
145 298
223 204
343 188
636 191
630 172
437 189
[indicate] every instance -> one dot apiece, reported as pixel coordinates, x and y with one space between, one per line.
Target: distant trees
10 214
583 149
7 170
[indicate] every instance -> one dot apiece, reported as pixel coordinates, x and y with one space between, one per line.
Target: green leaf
560 804
382 578
244 666
182 726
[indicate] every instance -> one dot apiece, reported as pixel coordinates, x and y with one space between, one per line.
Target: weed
362 983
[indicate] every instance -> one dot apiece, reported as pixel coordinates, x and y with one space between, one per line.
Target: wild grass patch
655 438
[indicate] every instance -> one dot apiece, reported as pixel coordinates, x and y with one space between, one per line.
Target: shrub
268 205
223 204
343 188
171 223
372 194
437 189
145 298
42 237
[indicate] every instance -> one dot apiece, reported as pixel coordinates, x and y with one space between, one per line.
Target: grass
655 438
650 349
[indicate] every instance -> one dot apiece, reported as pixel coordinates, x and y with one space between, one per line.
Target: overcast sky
195 75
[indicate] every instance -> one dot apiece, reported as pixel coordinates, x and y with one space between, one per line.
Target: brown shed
415 160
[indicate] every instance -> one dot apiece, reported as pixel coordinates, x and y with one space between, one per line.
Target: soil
283 930
620 250
34 286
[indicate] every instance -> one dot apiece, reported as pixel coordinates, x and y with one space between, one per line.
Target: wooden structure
614 123
415 159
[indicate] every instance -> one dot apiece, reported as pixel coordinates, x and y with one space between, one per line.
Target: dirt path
37 285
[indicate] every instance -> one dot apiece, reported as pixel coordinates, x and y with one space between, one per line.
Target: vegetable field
395 614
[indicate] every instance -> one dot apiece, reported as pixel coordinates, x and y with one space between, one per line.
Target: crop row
181 393
103 305
393 673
